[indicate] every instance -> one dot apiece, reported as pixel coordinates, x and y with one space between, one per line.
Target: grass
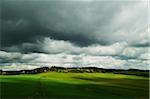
74 85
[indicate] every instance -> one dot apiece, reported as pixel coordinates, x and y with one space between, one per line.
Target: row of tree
137 72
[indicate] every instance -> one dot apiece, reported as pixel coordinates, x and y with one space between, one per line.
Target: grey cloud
80 22
51 46
140 64
145 56
9 57
77 58
35 60
119 50
138 53
16 57
25 48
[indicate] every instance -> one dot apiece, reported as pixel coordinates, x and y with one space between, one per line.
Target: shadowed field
74 85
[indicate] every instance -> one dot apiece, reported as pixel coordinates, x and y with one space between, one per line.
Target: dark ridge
136 72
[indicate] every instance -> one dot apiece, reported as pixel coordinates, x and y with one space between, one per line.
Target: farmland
74 85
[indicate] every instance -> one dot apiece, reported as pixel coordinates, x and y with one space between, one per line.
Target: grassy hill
74 85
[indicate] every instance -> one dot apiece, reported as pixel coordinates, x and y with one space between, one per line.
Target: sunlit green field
74 85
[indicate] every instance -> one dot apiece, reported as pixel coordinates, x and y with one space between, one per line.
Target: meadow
74 85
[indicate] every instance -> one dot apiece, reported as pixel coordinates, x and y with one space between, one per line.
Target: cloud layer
109 34
64 53
80 22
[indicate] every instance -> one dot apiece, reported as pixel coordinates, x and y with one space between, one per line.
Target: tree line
136 72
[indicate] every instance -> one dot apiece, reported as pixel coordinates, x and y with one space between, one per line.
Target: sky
68 33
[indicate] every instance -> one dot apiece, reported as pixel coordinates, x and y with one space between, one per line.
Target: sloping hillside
74 85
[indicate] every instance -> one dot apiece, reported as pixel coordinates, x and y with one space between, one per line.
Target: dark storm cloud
21 23
83 23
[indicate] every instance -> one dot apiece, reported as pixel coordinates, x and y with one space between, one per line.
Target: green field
74 85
